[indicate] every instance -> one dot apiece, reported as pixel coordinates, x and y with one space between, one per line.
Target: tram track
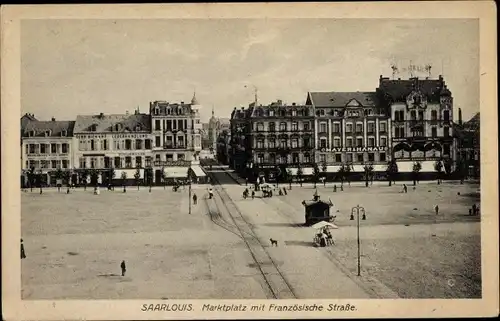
278 286
328 253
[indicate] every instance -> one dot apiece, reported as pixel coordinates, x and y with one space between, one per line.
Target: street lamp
358 209
189 181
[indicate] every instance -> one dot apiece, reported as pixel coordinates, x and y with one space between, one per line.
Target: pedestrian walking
284 191
335 188
474 209
436 209
405 188
23 254
341 188
253 194
195 199
123 267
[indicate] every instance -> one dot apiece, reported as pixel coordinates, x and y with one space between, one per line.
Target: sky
71 67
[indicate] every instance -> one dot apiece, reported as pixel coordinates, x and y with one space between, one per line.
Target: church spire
194 101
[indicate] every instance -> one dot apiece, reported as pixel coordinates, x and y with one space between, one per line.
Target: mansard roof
107 123
54 128
341 99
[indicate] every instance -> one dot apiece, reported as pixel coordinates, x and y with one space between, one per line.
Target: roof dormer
64 133
48 132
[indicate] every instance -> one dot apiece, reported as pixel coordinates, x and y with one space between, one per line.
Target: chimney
126 112
293 104
182 103
53 119
101 115
460 116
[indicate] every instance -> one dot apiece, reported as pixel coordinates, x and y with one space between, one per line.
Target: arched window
446 115
434 115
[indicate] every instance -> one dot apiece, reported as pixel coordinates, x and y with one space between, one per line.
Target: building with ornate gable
177 132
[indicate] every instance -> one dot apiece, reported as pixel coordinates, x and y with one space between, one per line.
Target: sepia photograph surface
237 161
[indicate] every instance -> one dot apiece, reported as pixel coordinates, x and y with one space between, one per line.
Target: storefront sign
359 149
180 163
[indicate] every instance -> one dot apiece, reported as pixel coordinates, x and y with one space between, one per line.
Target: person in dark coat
474 209
123 267
195 199
23 254
436 209
253 194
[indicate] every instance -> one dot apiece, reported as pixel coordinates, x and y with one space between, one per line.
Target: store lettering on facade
359 149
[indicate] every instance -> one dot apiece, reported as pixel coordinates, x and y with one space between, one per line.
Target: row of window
174 124
323 127
351 113
295 158
356 157
400 132
47 133
283 143
282 159
282 113
399 115
170 111
170 142
49 164
359 127
349 142
124 144
283 126
47 148
114 162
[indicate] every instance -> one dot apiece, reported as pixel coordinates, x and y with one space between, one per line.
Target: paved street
75 243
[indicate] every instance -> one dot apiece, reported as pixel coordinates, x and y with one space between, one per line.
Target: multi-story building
421 121
240 143
468 146
223 147
177 131
350 128
119 142
281 138
46 147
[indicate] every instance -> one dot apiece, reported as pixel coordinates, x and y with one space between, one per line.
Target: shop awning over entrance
130 173
407 166
176 172
198 171
306 171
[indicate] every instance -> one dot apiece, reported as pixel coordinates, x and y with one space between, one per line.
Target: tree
66 177
324 167
368 171
392 170
31 177
300 174
94 174
448 165
341 174
289 175
124 177
148 174
111 176
417 167
316 174
163 176
438 166
137 177
348 173
85 175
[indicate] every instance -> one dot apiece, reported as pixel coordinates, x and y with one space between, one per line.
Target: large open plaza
75 242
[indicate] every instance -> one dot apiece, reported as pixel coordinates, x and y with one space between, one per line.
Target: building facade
468 147
421 121
112 144
240 143
272 139
177 134
350 128
47 146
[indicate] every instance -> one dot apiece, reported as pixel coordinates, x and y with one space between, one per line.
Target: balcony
175 147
